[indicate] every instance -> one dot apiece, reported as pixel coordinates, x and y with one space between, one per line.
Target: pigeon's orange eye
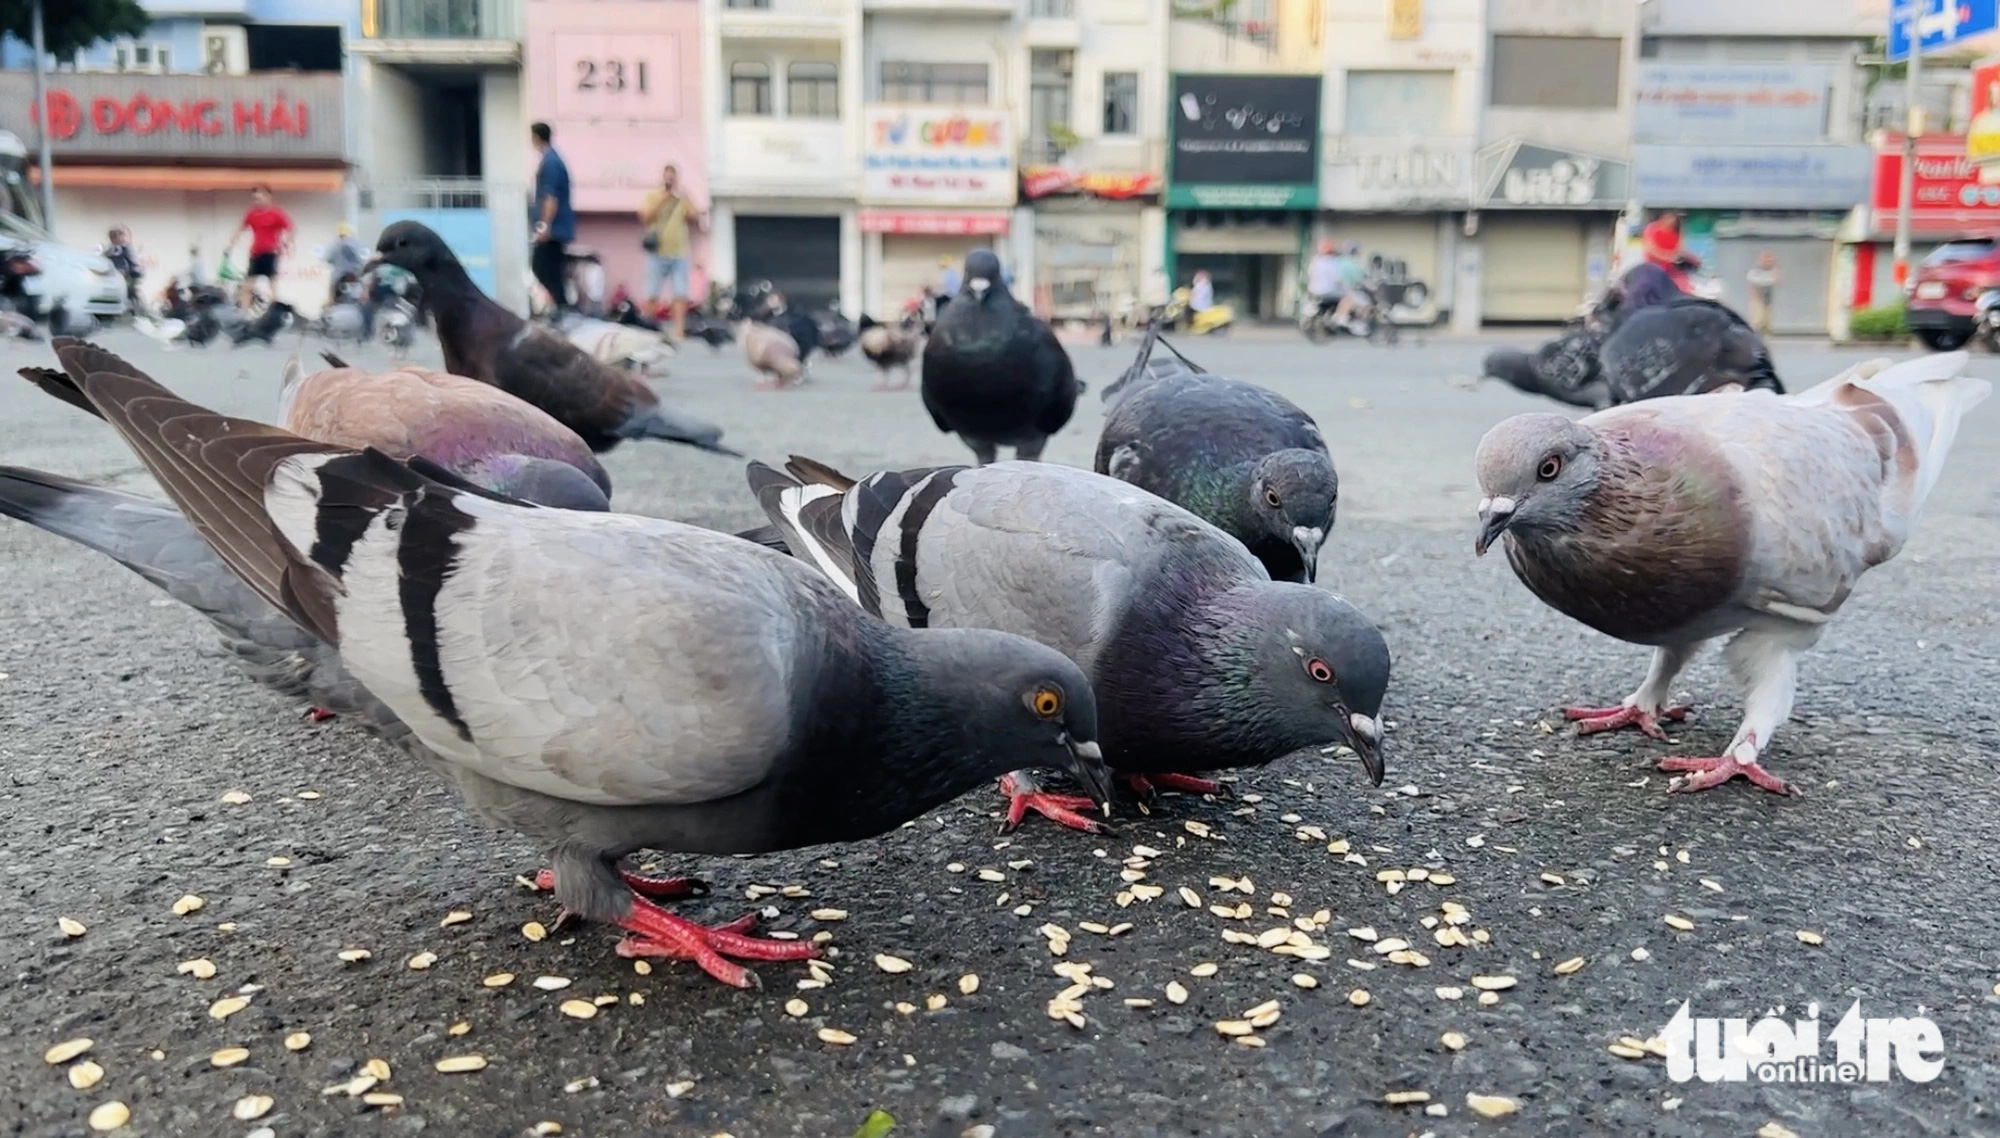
1551 466
1271 498
1047 702
1319 670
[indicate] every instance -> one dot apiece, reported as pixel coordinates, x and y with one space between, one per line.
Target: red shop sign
143 114
940 224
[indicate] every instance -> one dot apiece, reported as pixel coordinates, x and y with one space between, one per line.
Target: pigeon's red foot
1704 773
1147 785
657 888
657 932
1062 809
1591 720
318 714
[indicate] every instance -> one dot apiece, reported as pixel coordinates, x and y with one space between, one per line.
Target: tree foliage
69 26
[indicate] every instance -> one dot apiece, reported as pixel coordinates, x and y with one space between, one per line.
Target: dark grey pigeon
994 374
1241 457
604 683
481 340
1200 661
1688 346
1565 369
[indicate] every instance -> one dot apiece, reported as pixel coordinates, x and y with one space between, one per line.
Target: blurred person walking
667 216
1763 280
270 229
553 219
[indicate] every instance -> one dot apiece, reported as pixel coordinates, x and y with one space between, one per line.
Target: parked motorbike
1215 320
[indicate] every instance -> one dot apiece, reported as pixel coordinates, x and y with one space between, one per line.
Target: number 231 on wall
613 76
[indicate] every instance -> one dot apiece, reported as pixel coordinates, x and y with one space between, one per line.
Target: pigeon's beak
1086 762
1495 515
979 285
1307 540
1364 734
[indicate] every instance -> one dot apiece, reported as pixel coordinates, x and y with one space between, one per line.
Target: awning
280 179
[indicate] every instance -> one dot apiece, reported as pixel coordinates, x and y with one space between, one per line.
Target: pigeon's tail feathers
1930 394
811 470
61 385
1148 364
220 471
655 421
808 517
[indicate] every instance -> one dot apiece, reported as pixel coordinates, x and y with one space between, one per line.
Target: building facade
782 94
1404 85
1748 119
1553 172
441 130
166 133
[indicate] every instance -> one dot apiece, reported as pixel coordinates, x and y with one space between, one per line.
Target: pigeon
1240 457
275 318
774 355
483 341
474 430
1565 369
603 683
1622 352
993 373
203 328
889 349
620 345
1686 346
712 332
836 333
1743 514
471 430
1199 660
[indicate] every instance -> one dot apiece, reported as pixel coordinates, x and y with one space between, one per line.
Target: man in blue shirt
553 219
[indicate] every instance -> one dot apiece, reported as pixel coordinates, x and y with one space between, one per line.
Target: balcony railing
444 19
1052 9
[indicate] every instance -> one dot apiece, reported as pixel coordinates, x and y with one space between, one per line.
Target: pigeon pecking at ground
1241 457
891 348
994 374
473 431
603 683
1741 514
773 354
481 340
1200 661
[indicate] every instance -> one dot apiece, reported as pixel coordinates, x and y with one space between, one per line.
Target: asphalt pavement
141 772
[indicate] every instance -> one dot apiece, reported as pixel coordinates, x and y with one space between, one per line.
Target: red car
1943 308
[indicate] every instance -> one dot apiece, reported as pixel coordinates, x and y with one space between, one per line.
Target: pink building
619 81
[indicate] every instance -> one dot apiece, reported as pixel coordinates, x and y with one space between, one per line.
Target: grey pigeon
1742 514
1200 661
1241 457
481 340
1624 352
1684 347
994 374
773 354
604 683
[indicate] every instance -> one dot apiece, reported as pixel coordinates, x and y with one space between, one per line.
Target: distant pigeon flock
435 557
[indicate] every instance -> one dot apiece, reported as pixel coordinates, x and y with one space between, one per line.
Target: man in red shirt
1661 242
270 230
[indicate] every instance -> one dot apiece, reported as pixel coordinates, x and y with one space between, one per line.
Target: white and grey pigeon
1200 661
1241 457
1743 514
604 683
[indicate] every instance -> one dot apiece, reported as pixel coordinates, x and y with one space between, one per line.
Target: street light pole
42 125
1913 125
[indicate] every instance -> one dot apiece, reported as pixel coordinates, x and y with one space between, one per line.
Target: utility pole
42 126
1913 125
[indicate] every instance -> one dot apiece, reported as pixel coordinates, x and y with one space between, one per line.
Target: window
1121 102
1048 95
764 4
292 47
934 83
812 91
1052 9
152 58
749 88
1575 72
1398 103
